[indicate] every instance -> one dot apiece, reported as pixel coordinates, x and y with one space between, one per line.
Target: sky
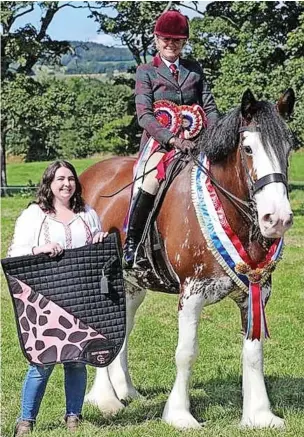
73 24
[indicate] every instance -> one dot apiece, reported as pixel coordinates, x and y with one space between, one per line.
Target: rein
241 205
107 196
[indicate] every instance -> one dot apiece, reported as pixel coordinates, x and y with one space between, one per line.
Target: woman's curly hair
45 195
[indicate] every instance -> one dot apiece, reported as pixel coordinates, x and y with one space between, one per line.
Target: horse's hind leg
113 383
177 408
256 405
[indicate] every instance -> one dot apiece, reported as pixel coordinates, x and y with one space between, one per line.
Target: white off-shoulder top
34 228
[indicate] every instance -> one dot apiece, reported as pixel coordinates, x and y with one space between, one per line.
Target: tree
23 47
99 107
253 32
252 44
133 24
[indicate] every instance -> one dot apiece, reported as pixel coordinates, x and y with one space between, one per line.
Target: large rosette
193 120
185 121
168 115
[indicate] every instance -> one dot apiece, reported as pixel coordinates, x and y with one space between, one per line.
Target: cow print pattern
65 336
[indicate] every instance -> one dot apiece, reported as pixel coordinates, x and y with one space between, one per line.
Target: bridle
256 185
246 208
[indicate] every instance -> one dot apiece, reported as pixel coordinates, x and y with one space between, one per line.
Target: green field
296 172
216 383
21 173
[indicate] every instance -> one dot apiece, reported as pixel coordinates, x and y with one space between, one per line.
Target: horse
247 150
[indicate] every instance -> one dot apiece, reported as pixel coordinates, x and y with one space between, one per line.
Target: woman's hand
99 237
182 144
51 249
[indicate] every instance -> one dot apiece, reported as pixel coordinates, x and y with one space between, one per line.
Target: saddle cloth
70 308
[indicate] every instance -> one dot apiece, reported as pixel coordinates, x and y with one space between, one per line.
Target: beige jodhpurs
150 183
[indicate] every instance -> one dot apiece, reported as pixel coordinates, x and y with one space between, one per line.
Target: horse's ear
286 103
248 105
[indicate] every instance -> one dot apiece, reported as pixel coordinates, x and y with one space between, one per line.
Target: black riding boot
143 204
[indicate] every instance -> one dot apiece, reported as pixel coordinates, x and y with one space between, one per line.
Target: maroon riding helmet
172 24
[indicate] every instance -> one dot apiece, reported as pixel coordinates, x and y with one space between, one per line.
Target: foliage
97 106
67 118
241 44
259 45
24 46
119 142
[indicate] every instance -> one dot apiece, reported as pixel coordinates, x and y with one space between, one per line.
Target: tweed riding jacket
154 81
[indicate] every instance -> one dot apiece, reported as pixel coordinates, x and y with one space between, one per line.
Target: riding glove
183 145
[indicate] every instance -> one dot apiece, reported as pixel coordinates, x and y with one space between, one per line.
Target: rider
172 78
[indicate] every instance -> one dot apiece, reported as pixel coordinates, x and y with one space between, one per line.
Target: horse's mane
221 139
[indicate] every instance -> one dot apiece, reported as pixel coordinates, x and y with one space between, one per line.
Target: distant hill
94 58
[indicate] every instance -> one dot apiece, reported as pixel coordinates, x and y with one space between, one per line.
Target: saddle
70 308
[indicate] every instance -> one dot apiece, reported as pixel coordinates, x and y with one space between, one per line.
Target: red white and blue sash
229 251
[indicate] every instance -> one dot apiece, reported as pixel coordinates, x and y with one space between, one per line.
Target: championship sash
229 251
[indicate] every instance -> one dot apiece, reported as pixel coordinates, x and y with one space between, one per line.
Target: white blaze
274 211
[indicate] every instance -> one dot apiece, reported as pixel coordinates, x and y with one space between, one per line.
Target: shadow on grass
223 394
211 399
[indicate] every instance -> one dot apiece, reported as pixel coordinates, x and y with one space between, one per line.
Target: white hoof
106 406
263 420
181 420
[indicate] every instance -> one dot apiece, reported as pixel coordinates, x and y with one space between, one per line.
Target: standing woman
180 81
57 220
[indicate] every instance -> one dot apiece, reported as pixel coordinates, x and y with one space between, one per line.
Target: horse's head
256 136
264 146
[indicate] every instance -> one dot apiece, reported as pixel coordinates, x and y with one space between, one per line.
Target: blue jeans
75 381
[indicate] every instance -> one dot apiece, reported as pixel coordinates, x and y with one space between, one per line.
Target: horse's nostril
289 221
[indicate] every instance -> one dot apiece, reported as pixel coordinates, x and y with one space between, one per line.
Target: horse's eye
248 150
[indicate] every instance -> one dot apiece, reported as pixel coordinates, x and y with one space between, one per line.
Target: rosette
168 115
186 120
193 120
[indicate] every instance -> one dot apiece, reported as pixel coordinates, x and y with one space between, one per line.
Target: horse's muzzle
274 226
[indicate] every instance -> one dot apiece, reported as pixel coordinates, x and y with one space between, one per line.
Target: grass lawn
21 173
216 383
296 172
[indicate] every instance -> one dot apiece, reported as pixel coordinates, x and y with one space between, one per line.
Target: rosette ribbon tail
257 324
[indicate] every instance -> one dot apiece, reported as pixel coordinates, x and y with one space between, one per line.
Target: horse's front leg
256 405
119 369
177 408
113 383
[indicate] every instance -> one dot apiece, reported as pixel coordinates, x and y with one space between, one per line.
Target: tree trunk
3 162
